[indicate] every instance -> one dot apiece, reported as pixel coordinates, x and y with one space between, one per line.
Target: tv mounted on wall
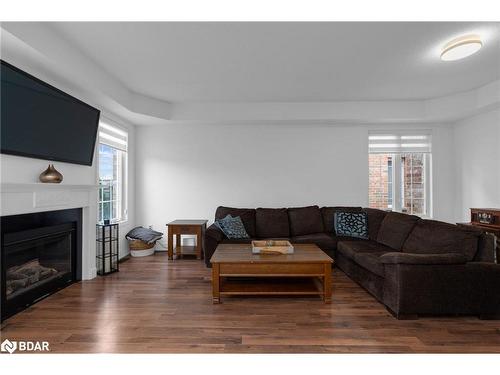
43 122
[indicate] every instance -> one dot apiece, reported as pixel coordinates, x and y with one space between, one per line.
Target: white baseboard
91 274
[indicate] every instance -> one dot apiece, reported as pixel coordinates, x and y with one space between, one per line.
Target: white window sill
120 222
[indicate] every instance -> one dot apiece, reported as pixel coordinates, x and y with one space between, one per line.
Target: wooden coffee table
236 271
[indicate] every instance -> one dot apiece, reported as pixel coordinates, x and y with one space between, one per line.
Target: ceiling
286 62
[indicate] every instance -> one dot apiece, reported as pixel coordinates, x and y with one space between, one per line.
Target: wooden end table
180 227
236 271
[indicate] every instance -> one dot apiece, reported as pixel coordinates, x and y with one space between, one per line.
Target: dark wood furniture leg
327 284
178 244
170 244
198 243
215 283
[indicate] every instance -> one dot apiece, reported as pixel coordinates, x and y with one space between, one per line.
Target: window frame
398 185
123 201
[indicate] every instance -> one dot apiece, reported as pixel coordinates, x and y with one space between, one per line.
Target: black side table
107 248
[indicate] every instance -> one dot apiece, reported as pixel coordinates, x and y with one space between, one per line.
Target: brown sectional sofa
411 265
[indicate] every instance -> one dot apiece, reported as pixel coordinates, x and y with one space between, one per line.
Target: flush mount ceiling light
461 47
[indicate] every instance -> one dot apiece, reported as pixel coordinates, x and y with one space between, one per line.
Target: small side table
107 248
180 227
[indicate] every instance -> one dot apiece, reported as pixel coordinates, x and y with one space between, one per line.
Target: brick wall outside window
413 183
378 187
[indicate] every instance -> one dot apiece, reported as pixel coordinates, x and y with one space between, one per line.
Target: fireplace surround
41 253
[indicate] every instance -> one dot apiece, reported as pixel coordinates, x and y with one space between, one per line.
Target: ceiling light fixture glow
461 47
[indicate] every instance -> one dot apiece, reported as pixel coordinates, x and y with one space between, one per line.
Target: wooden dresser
487 219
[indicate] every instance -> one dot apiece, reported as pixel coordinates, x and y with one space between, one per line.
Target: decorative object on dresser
107 248
237 271
487 219
51 175
180 227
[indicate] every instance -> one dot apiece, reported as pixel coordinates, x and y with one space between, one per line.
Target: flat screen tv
43 122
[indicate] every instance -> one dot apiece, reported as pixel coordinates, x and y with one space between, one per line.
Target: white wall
186 171
477 168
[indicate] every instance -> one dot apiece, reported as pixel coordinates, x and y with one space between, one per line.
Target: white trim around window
402 149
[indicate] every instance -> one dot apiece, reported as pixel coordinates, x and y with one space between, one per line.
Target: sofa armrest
430 259
213 236
486 279
215 232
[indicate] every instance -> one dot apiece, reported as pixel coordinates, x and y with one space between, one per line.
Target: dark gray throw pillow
232 227
351 224
144 234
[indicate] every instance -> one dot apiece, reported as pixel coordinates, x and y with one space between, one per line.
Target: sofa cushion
395 229
350 248
375 218
305 220
437 237
247 215
232 227
272 222
339 239
427 259
371 262
322 240
351 224
328 214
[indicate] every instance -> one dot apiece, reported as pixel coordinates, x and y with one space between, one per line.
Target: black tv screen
41 121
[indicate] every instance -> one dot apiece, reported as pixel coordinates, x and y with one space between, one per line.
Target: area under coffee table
236 271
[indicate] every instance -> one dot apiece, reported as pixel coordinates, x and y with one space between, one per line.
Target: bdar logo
24 346
8 346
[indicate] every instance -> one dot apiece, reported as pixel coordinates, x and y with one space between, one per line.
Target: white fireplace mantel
24 198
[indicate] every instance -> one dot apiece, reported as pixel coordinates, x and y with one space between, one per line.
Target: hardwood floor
159 306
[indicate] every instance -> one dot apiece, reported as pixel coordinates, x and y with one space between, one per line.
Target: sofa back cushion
375 218
437 237
247 216
395 229
328 214
305 220
272 223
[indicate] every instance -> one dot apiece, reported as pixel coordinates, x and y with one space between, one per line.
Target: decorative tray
272 247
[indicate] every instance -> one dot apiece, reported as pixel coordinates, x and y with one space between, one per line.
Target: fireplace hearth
40 254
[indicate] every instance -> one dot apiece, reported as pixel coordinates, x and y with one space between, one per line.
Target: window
399 172
113 144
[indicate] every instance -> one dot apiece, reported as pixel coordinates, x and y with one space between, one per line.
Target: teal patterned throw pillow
351 224
232 227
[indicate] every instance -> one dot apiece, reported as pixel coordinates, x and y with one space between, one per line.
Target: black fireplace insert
40 254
